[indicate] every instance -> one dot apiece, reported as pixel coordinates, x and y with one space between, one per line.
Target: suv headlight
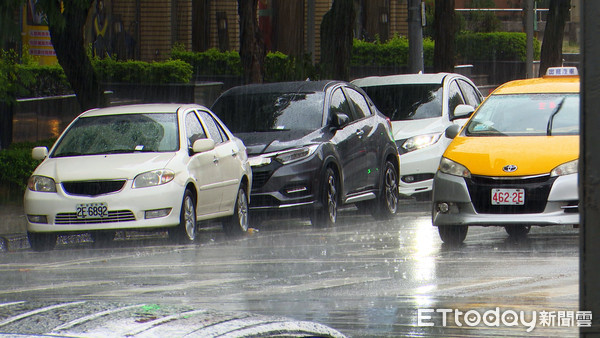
41 183
420 142
450 167
290 156
566 168
153 178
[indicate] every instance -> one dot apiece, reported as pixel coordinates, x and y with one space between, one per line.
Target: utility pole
415 36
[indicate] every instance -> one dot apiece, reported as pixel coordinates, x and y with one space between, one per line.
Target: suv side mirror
39 153
452 131
339 120
463 111
203 145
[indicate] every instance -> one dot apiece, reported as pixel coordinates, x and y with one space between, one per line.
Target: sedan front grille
93 188
113 217
537 189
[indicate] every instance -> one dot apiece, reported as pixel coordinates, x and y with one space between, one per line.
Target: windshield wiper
67 154
553 115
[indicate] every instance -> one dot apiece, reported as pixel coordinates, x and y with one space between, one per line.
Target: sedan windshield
128 133
407 101
526 114
264 112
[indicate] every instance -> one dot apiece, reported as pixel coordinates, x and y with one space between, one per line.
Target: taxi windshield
526 115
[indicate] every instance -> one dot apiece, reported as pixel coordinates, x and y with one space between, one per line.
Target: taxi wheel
453 234
326 215
41 241
517 231
387 203
237 224
102 238
185 232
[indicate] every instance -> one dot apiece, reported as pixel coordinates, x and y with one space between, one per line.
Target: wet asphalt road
362 277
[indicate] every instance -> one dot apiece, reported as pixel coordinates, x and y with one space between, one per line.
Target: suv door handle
360 132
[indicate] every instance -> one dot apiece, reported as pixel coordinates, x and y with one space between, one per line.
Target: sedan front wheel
185 232
237 224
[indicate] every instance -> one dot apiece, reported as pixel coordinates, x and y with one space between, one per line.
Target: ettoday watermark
500 317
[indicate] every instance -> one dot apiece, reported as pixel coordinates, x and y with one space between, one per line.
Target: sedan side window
339 104
212 126
193 129
470 93
361 107
454 98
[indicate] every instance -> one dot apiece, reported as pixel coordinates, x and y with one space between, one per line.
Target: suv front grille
93 188
537 189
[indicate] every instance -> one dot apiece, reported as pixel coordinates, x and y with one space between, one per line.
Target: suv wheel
326 215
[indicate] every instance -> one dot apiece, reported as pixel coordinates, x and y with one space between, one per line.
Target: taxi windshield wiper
552 116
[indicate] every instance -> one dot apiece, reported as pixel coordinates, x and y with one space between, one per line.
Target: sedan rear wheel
237 224
453 234
185 232
517 231
326 215
40 241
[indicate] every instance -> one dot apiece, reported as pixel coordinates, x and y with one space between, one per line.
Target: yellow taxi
514 163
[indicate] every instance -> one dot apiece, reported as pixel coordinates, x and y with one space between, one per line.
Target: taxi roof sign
562 71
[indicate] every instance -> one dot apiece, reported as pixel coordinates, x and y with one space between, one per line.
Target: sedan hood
102 167
532 155
409 128
267 142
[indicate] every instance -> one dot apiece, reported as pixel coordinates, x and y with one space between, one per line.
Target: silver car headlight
450 167
420 142
566 168
290 156
41 184
153 178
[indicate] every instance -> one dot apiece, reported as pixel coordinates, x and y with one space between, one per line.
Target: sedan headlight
452 168
41 183
420 141
294 155
153 178
566 168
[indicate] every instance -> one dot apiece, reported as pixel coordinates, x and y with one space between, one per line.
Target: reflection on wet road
361 277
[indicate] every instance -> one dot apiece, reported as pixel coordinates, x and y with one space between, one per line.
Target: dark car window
193 128
339 104
212 126
471 96
261 112
361 107
407 101
454 97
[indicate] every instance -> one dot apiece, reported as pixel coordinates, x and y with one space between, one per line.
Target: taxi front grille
537 189
113 217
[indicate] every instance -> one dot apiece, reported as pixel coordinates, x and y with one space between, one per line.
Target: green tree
9 26
336 40
252 49
551 54
66 21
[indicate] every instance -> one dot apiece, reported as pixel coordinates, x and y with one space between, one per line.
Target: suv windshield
263 112
111 134
407 101
527 114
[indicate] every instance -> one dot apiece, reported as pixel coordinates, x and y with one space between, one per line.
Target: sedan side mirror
203 145
339 120
452 131
39 153
463 111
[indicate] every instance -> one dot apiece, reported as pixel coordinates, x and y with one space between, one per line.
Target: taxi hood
532 155
102 167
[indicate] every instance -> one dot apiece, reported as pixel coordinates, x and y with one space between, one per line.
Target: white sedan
149 166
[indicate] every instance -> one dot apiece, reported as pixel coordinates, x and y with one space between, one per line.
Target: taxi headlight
420 141
41 183
565 168
153 178
450 167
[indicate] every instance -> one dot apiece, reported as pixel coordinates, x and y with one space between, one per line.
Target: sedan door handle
233 153
215 160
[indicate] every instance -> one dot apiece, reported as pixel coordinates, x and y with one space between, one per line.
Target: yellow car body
514 163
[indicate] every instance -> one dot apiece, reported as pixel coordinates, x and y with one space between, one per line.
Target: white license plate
508 196
91 210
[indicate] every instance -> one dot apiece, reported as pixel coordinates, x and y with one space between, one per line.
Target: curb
13 242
